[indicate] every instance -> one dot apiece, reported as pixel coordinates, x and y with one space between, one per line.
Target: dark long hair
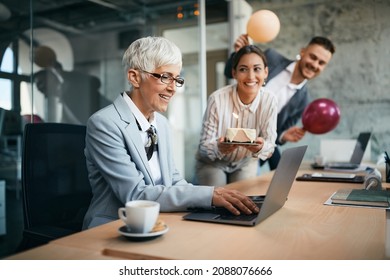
246 50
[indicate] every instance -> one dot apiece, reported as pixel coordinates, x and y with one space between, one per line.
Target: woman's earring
264 83
298 57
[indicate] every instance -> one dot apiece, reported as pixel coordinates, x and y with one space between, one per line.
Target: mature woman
128 144
244 104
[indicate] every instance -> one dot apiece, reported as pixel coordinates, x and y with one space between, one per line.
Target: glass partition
62 62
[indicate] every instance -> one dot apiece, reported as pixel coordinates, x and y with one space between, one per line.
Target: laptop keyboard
242 217
225 214
222 213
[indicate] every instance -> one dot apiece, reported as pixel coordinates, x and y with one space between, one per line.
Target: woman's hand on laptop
234 201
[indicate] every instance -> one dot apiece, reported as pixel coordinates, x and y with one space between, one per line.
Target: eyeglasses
167 78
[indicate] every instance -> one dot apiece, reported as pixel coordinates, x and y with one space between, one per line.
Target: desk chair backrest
55 187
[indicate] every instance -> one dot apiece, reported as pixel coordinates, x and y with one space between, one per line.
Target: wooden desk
303 229
53 251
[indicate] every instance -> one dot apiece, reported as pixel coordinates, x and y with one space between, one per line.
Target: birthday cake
241 135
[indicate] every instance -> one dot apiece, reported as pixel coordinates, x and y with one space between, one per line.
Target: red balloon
321 116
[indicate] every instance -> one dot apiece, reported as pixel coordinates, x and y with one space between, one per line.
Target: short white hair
149 53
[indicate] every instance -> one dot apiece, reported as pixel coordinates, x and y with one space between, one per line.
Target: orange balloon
263 26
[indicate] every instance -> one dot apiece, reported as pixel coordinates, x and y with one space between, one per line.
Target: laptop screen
360 147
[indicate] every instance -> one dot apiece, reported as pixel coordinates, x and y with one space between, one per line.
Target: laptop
274 199
357 155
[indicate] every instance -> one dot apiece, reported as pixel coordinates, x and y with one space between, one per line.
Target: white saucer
141 236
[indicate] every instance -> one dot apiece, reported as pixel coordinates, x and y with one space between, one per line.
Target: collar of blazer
164 151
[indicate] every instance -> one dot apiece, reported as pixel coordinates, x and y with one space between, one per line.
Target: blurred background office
85 40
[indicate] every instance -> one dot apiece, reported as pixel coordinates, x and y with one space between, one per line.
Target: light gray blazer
119 170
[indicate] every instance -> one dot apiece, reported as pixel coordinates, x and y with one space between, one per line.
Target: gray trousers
211 175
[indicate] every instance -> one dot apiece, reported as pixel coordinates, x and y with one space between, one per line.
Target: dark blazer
292 111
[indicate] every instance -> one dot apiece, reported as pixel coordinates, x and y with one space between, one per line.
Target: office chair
55 187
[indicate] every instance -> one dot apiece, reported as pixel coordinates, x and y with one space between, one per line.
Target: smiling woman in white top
243 105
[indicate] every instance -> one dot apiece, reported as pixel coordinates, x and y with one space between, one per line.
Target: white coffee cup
140 216
320 160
